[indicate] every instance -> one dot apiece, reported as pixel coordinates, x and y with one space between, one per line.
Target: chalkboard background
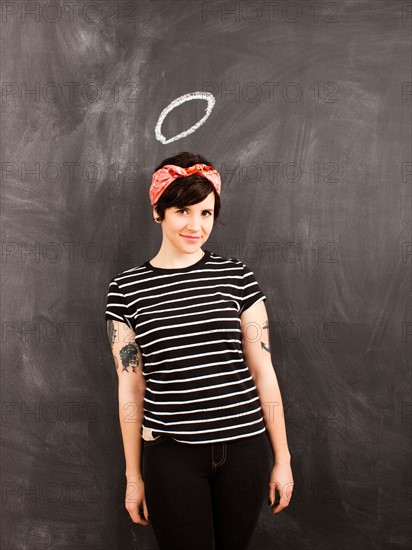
311 130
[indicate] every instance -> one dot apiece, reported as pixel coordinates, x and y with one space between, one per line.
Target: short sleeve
251 291
116 308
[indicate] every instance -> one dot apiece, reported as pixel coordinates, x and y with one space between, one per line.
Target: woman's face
195 220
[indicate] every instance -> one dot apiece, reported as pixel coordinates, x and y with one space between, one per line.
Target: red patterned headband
163 177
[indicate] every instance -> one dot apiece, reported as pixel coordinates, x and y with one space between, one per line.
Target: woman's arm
255 345
131 387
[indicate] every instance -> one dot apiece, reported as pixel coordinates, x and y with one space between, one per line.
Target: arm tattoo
128 354
265 326
111 331
129 357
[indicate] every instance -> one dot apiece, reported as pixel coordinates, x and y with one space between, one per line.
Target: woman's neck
168 261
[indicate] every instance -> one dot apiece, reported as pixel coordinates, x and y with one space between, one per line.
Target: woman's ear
155 215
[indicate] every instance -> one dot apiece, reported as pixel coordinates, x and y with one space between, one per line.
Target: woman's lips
191 238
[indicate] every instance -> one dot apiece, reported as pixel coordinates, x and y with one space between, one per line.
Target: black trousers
206 496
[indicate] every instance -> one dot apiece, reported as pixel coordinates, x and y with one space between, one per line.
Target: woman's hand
280 480
135 501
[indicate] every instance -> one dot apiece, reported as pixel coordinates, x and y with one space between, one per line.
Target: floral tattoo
128 354
129 357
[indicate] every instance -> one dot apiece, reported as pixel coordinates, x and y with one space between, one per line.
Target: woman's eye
185 210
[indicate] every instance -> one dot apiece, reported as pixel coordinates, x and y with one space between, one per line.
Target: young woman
200 408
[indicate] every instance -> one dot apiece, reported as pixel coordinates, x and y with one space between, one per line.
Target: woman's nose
194 223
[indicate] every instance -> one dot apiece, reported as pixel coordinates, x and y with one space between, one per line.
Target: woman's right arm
131 389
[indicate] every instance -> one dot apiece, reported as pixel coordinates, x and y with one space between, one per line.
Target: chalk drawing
178 101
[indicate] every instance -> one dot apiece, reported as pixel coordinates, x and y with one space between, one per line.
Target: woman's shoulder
226 259
128 273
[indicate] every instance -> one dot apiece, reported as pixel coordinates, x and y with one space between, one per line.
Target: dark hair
186 190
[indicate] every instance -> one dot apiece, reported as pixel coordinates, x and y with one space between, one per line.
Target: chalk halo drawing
207 96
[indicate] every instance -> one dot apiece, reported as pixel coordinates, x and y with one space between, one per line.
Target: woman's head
189 205
188 190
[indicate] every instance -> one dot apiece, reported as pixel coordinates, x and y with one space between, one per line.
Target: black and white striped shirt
187 324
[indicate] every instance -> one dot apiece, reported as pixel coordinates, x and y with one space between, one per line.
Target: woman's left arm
255 345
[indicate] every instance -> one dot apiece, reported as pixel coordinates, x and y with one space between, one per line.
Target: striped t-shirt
187 324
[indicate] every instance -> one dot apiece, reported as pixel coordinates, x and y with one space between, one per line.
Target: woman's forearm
131 419
272 407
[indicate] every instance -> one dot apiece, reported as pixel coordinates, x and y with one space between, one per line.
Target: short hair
186 190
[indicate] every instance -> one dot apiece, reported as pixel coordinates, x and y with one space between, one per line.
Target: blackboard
310 127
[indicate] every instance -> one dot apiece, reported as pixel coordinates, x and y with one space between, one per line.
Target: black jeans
206 496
